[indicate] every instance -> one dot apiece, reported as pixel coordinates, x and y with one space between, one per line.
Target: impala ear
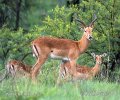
93 54
82 29
104 54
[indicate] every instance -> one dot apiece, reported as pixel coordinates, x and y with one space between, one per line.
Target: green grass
23 89
46 89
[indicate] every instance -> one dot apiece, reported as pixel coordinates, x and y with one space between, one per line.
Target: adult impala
62 49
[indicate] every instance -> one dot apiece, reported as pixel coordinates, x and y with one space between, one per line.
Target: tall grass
46 89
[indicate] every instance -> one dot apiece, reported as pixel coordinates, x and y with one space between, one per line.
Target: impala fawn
85 72
61 49
17 69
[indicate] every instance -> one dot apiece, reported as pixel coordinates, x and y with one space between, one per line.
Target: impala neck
27 68
83 43
96 68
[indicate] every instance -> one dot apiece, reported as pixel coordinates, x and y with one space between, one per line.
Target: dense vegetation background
21 21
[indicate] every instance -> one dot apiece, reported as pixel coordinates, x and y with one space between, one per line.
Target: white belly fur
58 57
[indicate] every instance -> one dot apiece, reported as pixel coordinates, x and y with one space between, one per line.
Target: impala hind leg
61 72
37 67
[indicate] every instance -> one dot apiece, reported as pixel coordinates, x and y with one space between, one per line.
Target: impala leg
61 70
37 67
73 70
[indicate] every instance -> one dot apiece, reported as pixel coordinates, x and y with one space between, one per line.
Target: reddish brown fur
85 72
18 67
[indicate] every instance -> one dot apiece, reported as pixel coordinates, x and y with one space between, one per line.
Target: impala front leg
37 67
73 71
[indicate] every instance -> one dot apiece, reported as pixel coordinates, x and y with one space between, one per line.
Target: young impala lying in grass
85 72
16 68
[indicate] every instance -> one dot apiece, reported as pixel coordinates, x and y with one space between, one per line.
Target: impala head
98 58
13 65
88 29
88 32
10 68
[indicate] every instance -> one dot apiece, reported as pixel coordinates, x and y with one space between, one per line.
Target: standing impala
85 72
62 49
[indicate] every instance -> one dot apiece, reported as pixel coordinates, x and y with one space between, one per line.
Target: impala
16 68
61 49
85 72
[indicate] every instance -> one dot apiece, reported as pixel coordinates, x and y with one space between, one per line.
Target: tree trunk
18 5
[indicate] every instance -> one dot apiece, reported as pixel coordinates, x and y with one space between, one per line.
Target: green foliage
58 24
34 12
12 45
31 12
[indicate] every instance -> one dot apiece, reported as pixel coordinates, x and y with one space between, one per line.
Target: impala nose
90 37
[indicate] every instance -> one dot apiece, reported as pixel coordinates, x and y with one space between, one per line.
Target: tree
16 45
